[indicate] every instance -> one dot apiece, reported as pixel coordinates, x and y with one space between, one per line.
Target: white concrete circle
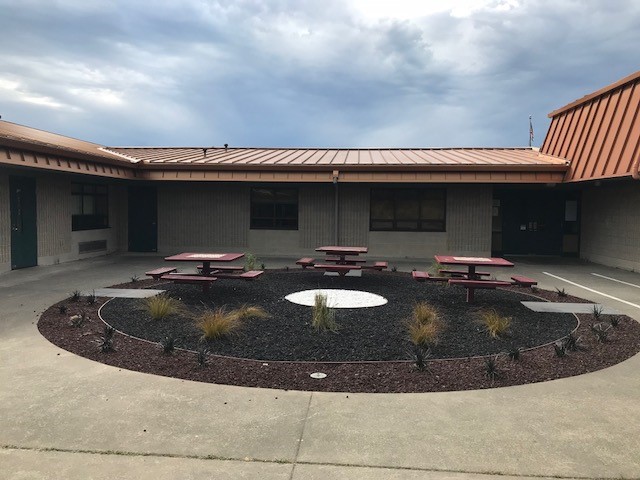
337 298
318 375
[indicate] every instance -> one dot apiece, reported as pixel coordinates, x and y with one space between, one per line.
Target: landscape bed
370 351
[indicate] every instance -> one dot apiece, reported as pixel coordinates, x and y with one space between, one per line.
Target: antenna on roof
204 152
226 145
530 132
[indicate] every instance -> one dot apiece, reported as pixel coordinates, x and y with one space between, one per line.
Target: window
274 208
408 209
90 209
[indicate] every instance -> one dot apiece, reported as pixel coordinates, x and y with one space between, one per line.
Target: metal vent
93 246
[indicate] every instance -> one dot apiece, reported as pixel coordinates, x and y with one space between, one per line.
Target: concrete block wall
610 229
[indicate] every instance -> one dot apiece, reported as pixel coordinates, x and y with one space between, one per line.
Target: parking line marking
592 290
616 280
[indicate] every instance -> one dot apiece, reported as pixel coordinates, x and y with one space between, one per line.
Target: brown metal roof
344 159
600 133
34 140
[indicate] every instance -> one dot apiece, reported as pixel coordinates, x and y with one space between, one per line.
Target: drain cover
318 375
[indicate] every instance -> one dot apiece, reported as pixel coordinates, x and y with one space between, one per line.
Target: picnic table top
475 261
204 257
338 250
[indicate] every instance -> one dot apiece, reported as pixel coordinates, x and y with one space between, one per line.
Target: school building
64 199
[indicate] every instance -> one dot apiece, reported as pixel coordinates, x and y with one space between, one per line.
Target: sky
303 73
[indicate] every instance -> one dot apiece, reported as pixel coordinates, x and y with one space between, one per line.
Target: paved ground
70 418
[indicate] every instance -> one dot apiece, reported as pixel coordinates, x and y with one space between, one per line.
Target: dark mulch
370 350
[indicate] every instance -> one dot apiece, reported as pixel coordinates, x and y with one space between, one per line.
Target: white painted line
616 280
592 290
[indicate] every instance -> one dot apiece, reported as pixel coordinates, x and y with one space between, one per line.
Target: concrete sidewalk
68 417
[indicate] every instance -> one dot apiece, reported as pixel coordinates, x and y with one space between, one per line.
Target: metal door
24 237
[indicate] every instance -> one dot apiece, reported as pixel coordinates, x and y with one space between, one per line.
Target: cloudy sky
323 73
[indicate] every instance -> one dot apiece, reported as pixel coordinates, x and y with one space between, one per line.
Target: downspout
336 210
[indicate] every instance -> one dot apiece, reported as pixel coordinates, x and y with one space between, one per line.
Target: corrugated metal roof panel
599 134
353 158
14 135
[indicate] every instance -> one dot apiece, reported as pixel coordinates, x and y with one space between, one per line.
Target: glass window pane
381 225
407 205
407 225
76 204
88 204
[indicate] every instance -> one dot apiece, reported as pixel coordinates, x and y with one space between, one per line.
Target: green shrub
91 299
218 323
324 317
420 354
75 296
601 331
168 344
161 306
105 343
250 262
561 292
515 353
491 370
203 354
494 323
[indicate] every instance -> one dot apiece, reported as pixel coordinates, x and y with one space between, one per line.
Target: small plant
218 323
560 348
434 268
203 354
263 266
425 325
91 299
247 311
572 342
75 296
105 344
135 278
286 268
561 292
491 370
168 344
601 331
62 309
597 312
495 324
614 321
161 306
515 353
323 317
78 320
250 262
394 268
420 354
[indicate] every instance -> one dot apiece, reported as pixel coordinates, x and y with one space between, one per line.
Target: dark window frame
423 223
99 218
279 217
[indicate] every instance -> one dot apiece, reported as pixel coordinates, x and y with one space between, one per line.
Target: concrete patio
68 417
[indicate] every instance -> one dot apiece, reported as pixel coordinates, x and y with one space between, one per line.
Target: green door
143 219
24 240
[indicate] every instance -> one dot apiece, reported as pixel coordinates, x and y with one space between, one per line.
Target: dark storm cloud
307 73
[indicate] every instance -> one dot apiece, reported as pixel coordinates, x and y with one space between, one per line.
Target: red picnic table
205 258
342 252
341 264
472 279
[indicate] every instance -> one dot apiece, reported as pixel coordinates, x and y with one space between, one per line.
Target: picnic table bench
472 285
425 276
250 275
224 268
522 281
159 272
377 266
203 280
306 262
462 273
341 270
